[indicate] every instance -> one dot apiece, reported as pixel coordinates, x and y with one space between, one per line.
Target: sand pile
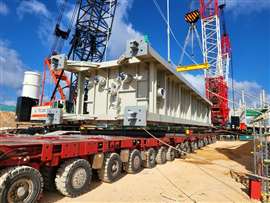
7 119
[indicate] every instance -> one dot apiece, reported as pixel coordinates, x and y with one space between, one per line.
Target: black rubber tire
48 174
187 147
131 166
150 161
170 154
200 144
195 143
112 168
65 174
205 140
11 175
192 147
178 152
210 141
183 148
161 156
214 139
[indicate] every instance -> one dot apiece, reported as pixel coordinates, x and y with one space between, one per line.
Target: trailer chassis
30 163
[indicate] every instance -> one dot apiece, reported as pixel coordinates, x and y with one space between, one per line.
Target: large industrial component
216 55
118 90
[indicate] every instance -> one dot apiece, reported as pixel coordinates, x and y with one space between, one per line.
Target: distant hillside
6 108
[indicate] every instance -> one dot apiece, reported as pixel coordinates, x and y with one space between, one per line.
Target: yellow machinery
192 67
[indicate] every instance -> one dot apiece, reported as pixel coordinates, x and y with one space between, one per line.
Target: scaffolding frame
261 154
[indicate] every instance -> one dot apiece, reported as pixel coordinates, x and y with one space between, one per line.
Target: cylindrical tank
31 85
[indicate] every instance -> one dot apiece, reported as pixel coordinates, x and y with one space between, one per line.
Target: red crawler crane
217 53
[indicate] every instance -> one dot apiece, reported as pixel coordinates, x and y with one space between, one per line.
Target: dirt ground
7 119
204 177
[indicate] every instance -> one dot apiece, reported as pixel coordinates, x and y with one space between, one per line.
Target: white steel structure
211 42
138 79
216 52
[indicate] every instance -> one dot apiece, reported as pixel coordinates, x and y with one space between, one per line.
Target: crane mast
216 54
89 42
92 30
91 36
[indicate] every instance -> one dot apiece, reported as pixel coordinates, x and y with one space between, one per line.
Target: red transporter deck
50 150
65 162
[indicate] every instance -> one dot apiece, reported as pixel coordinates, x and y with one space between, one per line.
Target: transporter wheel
73 177
178 152
205 140
199 144
183 148
210 140
150 161
203 144
170 154
112 168
134 164
195 143
192 146
161 156
20 184
188 147
214 139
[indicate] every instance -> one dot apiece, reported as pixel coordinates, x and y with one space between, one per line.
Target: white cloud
11 67
32 7
45 31
196 81
3 8
9 102
252 92
246 6
122 30
46 25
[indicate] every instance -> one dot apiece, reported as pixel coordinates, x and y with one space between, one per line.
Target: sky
27 27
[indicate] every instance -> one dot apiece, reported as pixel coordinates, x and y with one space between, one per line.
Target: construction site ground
203 177
7 120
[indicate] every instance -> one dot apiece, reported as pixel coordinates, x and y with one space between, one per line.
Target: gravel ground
199 178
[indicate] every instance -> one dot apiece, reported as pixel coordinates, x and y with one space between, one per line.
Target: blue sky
26 28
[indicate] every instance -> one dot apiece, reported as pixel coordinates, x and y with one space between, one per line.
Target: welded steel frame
217 93
91 36
211 42
261 153
216 77
92 30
